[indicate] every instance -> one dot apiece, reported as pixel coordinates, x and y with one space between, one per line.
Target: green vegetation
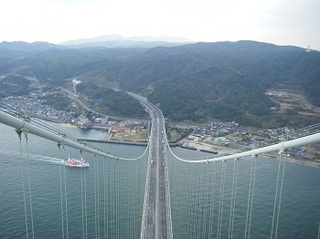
196 82
14 86
58 101
177 133
111 102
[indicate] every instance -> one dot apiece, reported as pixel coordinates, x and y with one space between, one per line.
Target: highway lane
156 221
76 99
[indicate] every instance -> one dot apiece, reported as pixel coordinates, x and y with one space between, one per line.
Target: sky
281 22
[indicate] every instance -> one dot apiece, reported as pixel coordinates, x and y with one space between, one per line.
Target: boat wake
51 160
33 157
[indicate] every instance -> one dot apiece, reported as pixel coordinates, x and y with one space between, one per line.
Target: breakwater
141 143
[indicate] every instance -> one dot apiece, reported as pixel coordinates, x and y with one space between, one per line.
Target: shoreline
67 125
226 150
114 141
202 147
296 161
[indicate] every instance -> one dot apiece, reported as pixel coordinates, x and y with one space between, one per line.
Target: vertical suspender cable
193 193
211 196
95 196
318 237
113 195
213 192
276 199
206 207
136 189
61 195
66 197
127 202
130 199
188 195
185 192
105 205
176 186
197 205
249 199
280 195
200 195
221 199
219 203
23 188
85 203
118 200
114 203
252 195
82 198
275 202
233 197
29 185
203 205
98 196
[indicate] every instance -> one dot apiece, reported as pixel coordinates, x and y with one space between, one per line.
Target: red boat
76 163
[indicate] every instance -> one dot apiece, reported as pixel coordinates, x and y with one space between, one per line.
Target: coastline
226 150
67 125
115 141
296 161
204 147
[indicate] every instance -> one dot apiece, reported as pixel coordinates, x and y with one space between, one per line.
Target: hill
201 81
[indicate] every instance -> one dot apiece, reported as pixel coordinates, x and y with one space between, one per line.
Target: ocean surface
106 199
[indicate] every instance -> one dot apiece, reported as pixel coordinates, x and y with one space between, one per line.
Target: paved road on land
83 105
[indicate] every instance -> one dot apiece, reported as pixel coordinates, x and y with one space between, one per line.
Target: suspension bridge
210 207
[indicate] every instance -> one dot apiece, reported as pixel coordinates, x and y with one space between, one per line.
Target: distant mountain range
197 81
24 46
119 41
107 41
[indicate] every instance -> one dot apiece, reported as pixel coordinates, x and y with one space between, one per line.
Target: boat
76 163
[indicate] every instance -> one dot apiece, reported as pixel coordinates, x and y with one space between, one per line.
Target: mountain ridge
115 40
198 81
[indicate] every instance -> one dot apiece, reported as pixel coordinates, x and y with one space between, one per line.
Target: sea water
52 185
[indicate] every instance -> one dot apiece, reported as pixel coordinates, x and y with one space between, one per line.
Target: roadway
156 221
83 105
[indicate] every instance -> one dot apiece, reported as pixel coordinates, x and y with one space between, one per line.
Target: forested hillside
224 80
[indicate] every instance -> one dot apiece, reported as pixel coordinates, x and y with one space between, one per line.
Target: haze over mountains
194 81
119 41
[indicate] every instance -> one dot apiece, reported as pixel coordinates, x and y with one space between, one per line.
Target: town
216 138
